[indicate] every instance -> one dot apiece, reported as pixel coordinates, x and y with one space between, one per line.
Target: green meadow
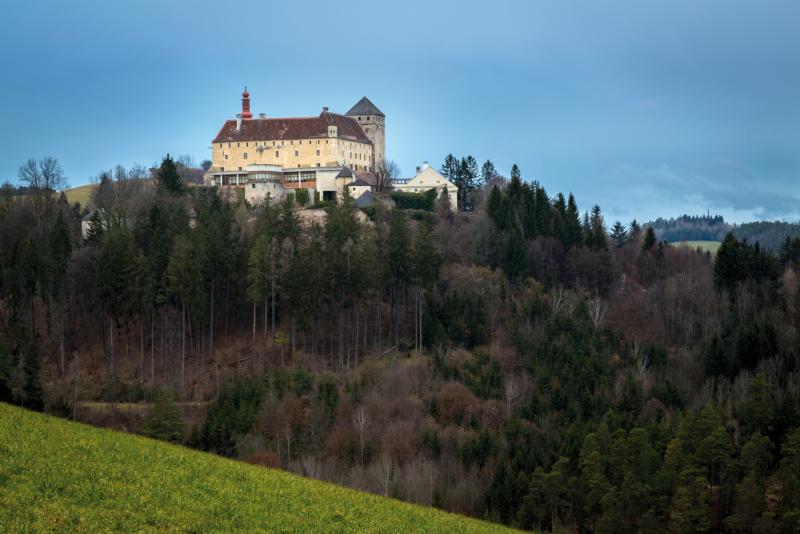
60 476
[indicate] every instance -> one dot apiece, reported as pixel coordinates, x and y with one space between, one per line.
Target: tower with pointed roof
373 122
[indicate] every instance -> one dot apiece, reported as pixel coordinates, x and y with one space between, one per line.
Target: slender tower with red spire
246 115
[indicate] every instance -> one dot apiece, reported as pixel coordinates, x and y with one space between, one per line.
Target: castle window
247 144
317 164
238 145
229 145
220 145
277 154
245 155
226 156
296 153
317 152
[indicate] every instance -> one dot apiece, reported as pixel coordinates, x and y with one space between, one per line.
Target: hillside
81 194
705 246
56 475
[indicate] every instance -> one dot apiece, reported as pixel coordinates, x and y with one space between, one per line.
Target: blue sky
646 108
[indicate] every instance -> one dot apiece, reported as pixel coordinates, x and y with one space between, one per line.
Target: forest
516 360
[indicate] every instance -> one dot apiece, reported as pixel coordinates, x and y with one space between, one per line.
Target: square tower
373 122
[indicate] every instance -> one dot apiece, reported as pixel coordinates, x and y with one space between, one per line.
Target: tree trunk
183 351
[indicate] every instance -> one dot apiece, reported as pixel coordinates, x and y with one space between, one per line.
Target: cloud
724 187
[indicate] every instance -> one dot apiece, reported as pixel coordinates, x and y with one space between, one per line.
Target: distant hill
714 228
56 475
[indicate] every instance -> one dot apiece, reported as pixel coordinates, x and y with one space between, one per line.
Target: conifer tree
164 420
488 172
572 223
399 264
598 239
635 231
619 235
513 259
515 172
94 236
450 168
167 176
649 239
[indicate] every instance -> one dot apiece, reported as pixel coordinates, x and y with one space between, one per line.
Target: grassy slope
705 246
56 475
82 194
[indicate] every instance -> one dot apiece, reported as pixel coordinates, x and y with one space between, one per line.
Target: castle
267 157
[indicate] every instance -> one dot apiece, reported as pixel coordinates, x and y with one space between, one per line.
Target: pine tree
515 172
167 176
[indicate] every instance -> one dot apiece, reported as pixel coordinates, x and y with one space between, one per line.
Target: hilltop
56 475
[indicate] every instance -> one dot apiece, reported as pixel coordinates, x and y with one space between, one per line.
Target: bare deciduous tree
383 472
512 391
361 422
44 178
557 300
384 176
597 312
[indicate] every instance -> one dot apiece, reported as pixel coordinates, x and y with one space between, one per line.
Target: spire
246 115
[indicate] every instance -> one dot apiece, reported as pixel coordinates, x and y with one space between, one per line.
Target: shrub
265 458
301 196
456 404
164 420
415 201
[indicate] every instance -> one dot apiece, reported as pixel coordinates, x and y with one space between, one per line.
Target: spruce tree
635 231
649 239
450 168
488 172
167 176
572 223
599 238
513 259
515 172
619 235
94 236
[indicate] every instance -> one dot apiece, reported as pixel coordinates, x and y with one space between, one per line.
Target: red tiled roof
291 128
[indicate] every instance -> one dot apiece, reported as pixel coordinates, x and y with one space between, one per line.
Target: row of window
297 155
278 143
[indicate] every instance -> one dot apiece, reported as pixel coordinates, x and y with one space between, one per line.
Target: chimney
324 109
246 115
238 122
417 169
424 165
262 115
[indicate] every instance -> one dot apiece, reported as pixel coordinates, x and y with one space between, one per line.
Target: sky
647 108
